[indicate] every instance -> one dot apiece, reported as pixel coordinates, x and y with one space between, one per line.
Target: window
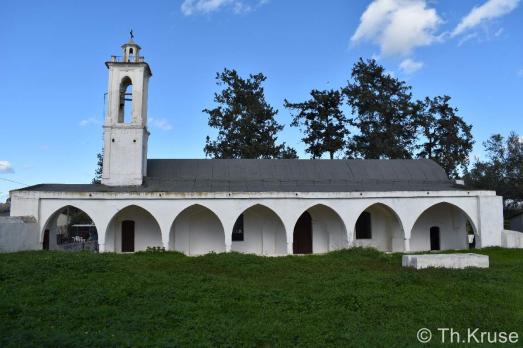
363 226
237 230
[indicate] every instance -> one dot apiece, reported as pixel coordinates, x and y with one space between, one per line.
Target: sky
53 76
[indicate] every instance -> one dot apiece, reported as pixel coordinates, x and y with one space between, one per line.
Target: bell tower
125 125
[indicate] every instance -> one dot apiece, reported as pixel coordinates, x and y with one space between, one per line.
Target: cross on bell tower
125 126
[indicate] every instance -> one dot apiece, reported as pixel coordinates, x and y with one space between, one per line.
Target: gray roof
255 175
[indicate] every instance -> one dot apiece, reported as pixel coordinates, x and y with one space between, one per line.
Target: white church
264 207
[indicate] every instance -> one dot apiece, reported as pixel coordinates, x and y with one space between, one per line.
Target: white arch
52 215
197 236
142 225
328 234
189 206
53 230
455 237
455 205
397 237
264 234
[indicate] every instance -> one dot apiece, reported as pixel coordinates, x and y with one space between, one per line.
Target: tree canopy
244 120
447 138
99 168
502 170
323 122
383 111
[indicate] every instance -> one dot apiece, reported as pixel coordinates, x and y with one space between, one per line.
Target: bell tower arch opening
125 113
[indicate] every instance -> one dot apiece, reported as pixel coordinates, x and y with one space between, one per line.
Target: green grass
357 297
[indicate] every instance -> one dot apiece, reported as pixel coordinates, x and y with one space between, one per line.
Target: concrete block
456 261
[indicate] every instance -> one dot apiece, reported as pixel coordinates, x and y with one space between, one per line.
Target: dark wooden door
127 236
302 243
434 238
46 240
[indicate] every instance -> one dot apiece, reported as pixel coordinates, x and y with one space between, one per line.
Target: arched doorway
197 231
133 229
259 230
319 230
442 226
302 235
379 227
70 229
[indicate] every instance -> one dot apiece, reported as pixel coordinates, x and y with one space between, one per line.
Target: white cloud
398 26
5 167
89 121
160 123
410 66
489 10
191 7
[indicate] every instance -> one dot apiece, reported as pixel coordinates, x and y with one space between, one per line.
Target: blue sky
54 78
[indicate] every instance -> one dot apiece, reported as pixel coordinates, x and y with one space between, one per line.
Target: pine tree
99 168
447 137
385 114
323 121
244 120
502 171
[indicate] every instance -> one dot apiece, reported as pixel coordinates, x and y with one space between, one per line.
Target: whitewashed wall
483 209
18 234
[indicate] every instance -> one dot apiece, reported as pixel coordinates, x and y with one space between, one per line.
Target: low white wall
490 213
197 231
452 226
264 233
18 234
512 239
146 230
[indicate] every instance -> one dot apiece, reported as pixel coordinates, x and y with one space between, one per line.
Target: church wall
483 208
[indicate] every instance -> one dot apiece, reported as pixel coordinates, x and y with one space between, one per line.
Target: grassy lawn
356 297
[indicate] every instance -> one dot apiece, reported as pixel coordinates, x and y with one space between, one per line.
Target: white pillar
227 231
101 248
290 250
406 245
165 230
